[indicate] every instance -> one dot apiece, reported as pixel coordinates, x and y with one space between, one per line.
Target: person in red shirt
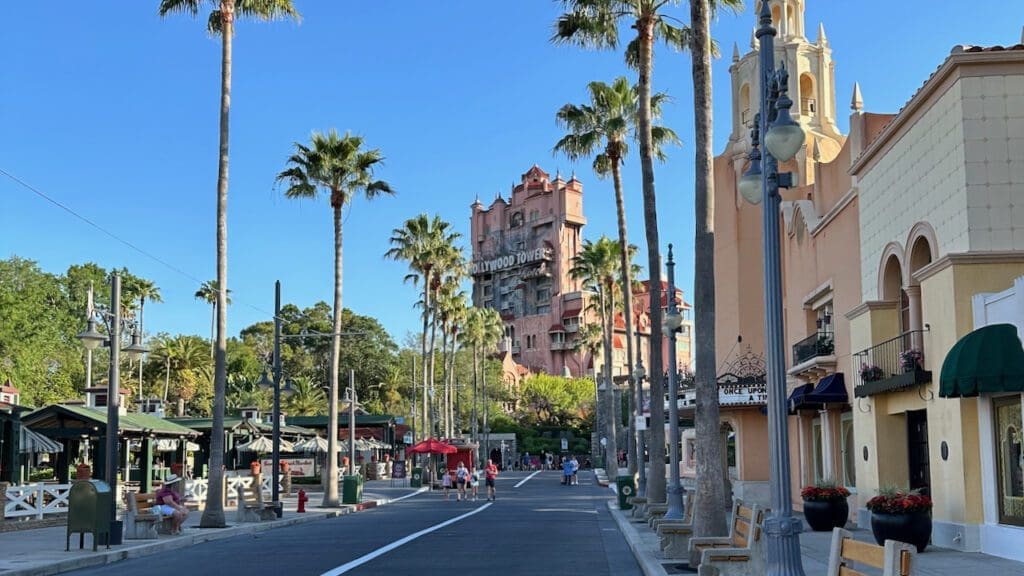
490 473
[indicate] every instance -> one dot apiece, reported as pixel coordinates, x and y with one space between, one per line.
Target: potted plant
870 373
902 515
910 359
825 505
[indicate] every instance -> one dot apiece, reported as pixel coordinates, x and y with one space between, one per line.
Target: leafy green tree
554 401
307 398
208 292
222 22
187 371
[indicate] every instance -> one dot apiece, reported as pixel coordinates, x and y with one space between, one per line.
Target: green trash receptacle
416 480
626 489
352 490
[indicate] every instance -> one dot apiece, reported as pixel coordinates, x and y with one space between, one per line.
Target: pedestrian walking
566 472
575 467
461 478
474 481
490 473
446 482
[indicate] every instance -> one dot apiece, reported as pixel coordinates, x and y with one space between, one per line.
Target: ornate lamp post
275 385
671 324
783 138
91 339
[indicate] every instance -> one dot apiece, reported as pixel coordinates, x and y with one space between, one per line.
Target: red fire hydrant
302 500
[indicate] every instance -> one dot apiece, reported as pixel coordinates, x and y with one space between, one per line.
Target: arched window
746 114
808 97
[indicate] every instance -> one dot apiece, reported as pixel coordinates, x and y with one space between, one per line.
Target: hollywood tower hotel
523 249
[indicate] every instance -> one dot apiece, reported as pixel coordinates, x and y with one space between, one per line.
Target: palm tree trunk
636 456
444 378
213 327
451 381
611 465
167 380
656 475
213 514
433 357
423 344
710 489
331 488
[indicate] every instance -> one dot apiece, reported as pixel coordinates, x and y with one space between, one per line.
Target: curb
193 537
649 565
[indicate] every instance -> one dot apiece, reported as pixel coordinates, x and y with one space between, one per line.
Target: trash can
416 480
626 488
89 509
352 490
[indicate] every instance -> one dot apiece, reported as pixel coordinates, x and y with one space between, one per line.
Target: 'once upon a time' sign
507 261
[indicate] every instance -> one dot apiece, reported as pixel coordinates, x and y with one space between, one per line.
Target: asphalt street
539 527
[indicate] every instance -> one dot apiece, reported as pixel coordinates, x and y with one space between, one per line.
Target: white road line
420 491
523 481
385 549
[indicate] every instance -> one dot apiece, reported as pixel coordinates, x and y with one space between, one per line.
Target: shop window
849 452
1009 468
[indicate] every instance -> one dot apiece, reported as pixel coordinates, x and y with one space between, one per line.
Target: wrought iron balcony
818 344
891 366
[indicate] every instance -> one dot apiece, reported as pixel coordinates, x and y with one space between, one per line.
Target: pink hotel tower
522 251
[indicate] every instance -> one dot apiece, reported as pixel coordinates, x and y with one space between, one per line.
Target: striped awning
35 443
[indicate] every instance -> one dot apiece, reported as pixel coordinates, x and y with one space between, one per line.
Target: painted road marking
385 549
420 491
523 481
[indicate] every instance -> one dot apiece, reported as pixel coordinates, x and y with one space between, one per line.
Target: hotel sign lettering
508 261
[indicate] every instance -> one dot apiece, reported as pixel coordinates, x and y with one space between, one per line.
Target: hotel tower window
1009 465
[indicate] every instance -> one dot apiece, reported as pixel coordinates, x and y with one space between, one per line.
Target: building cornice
833 212
870 306
955 67
967 258
818 292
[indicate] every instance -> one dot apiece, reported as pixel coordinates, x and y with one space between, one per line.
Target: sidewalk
40 551
815 548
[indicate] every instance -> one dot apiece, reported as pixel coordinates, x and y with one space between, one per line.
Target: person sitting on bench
170 504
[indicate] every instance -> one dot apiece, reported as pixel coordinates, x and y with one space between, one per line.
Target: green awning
988 360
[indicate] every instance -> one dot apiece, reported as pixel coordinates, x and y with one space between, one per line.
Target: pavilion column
827 461
914 298
146 466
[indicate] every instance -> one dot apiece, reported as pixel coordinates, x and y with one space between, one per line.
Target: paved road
541 527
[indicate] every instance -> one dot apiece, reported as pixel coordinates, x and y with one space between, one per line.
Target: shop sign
507 261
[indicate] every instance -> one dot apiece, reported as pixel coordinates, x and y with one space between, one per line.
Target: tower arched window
808 95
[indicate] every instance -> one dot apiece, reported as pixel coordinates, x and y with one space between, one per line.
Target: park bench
142 521
638 502
740 553
675 534
251 506
893 559
655 511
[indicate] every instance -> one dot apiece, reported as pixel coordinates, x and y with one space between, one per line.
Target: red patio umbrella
432 446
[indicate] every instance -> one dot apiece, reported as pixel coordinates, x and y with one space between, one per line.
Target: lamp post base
783 539
675 503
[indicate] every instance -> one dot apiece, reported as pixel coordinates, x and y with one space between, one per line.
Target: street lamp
783 139
670 325
91 339
639 374
275 385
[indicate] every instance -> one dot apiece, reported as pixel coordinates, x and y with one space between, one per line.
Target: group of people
569 467
466 481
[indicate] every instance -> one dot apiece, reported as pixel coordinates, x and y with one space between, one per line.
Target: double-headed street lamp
275 385
783 138
670 325
91 339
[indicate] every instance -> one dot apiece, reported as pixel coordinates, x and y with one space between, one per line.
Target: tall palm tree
483 330
139 290
307 398
422 242
597 266
451 307
208 293
710 490
185 364
594 24
601 129
222 22
341 168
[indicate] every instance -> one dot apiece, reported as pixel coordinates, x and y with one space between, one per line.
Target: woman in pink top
169 503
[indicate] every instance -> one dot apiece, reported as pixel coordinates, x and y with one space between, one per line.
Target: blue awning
830 390
797 397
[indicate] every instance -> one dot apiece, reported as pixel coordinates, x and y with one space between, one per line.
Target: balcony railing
890 366
818 344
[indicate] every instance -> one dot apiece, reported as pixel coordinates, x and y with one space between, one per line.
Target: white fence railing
196 489
36 500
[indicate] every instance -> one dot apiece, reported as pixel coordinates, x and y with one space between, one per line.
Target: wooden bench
740 553
893 559
251 506
675 534
142 521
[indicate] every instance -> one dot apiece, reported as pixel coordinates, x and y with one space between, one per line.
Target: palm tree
483 330
424 243
588 339
185 364
451 306
208 292
710 490
307 398
222 22
594 24
597 266
602 127
139 289
342 168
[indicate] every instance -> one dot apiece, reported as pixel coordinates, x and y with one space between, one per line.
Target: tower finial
753 38
735 52
857 103
822 39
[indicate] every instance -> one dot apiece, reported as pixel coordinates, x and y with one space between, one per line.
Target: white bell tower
811 86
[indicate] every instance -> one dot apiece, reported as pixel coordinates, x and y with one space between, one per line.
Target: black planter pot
823 516
914 528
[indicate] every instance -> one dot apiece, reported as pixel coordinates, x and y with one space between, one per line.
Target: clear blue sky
113 112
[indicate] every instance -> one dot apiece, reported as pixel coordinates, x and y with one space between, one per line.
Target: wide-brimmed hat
171 479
